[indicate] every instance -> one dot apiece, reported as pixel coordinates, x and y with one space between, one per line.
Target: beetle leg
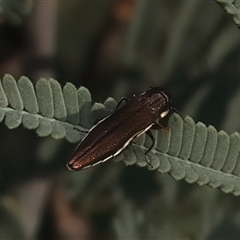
148 163
173 109
149 133
159 126
122 99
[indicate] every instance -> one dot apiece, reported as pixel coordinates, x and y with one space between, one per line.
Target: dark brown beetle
113 134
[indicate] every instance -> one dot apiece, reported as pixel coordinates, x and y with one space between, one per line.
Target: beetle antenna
173 109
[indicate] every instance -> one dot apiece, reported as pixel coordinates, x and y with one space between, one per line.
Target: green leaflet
231 8
197 153
189 151
49 109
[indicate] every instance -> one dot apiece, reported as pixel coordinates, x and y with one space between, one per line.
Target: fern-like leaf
193 152
232 8
48 108
189 151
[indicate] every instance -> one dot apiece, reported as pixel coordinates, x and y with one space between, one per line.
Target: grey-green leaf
3 98
85 105
71 100
60 111
28 95
185 150
45 98
12 93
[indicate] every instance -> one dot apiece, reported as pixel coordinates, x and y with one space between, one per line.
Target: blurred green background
117 48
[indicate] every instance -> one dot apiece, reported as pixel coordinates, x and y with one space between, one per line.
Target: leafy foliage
187 151
232 8
48 109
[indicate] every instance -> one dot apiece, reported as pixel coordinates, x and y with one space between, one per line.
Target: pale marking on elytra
121 149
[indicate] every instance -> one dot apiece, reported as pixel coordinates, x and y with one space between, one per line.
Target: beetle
109 137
